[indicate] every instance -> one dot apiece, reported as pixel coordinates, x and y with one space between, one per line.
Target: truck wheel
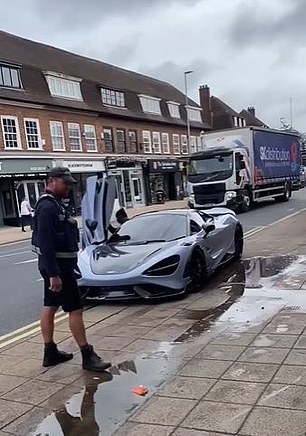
287 194
247 201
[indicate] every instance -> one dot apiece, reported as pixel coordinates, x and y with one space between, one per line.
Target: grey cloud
248 28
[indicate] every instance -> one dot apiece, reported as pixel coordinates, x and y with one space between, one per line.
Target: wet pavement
228 360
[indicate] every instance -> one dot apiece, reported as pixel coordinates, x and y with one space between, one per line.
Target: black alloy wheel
238 242
198 272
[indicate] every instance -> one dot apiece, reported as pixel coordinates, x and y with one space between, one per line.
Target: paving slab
301 342
27 424
187 387
33 392
9 411
291 374
188 432
296 357
63 374
218 417
26 368
285 396
221 352
205 368
165 411
131 429
286 325
235 392
9 382
267 421
251 372
264 355
275 341
234 339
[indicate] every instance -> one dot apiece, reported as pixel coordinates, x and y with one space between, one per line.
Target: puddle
254 291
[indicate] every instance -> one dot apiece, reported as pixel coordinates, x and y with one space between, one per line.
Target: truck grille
206 194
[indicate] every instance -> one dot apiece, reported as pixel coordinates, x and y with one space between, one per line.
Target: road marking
26 261
14 254
253 231
27 331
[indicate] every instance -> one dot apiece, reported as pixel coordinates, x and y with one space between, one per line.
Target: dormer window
10 76
150 105
112 97
194 114
174 109
64 86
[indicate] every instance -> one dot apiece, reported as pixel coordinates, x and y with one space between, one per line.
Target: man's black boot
91 361
52 356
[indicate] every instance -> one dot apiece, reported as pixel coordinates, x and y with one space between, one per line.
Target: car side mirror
208 228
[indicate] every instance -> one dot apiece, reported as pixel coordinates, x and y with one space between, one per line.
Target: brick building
58 108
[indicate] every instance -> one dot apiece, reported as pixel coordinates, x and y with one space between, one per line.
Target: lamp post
186 73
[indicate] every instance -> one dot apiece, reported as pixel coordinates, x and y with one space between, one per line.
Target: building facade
58 108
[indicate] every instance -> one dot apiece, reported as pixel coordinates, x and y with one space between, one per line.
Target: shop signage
82 166
112 164
158 166
24 166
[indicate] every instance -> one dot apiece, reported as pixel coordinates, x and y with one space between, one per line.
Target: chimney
251 109
205 103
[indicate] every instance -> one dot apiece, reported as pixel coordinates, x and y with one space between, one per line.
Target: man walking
55 240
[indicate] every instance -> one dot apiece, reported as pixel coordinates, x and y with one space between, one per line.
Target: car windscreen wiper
149 241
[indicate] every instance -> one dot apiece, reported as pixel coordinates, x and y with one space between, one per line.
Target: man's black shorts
69 297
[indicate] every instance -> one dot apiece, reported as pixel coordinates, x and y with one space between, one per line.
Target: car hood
120 259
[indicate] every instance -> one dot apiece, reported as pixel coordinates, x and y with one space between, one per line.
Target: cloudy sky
250 52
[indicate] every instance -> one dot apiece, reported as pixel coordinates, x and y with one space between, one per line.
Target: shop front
165 176
81 170
20 178
130 181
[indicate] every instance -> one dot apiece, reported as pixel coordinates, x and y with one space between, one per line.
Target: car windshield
210 168
154 228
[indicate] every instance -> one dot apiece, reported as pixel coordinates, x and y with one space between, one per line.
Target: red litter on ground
140 390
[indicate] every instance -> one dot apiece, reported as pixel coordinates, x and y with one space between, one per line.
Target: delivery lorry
238 167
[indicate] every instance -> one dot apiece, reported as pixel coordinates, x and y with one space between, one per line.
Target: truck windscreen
211 167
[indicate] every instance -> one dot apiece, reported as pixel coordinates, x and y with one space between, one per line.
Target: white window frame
112 97
109 130
165 143
12 80
176 143
236 121
184 144
87 129
199 141
243 122
75 126
60 124
147 145
150 105
194 114
174 109
192 144
156 142
18 138
39 140
61 85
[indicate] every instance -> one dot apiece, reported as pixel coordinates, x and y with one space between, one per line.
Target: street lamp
187 113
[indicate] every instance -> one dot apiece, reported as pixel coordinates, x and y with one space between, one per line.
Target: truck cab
217 177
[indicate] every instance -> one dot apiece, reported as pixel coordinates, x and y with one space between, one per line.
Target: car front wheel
198 272
238 242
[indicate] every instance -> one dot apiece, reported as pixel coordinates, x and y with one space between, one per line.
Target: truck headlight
230 195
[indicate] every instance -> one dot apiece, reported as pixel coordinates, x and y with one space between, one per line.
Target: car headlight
165 267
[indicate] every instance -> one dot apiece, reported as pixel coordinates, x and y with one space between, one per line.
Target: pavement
230 359
14 234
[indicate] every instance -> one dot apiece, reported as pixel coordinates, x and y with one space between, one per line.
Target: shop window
108 140
156 143
74 135
184 145
11 134
64 87
147 142
176 144
90 137
112 98
33 134
121 141
133 141
57 135
165 143
10 76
